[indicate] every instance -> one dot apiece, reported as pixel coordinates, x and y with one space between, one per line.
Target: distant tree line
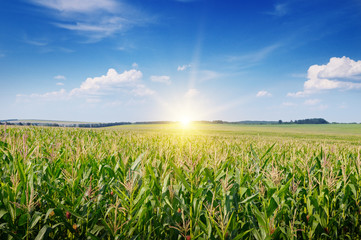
154 122
80 125
306 121
98 125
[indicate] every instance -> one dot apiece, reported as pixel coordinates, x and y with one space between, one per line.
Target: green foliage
144 184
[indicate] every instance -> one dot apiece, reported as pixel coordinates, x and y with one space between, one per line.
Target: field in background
317 131
203 181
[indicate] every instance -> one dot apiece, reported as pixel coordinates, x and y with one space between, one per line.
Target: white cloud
135 65
79 6
183 67
297 94
112 81
105 27
142 90
36 42
205 75
263 93
339 73
338 68
256 56
161 79
192 92
59 77
93 18
311 102
60 84
55 95
110 84
280 10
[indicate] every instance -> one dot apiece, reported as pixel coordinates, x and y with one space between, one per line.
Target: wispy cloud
135 65
49 96
297 94
111 84
263 93
183 67
314 104
339 73
279 10
252 58
94 19
161 79
98 30
191 93
141 90
78 5
206 75
38 43
59 77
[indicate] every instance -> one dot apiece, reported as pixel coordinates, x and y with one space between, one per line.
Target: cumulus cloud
183 67
60 84
161 79
263 93
112 83
192 92
339 73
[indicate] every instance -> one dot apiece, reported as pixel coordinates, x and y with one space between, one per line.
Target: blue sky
115 60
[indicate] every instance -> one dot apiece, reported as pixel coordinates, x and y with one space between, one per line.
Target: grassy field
205 181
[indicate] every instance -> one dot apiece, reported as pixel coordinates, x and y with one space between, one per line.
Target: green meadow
202 181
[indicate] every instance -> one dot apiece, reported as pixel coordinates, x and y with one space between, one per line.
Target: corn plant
146 183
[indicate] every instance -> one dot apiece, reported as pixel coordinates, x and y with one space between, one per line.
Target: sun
185 122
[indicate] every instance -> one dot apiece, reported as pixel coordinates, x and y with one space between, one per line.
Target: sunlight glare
185 122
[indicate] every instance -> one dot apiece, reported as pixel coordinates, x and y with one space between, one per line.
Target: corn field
59 183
